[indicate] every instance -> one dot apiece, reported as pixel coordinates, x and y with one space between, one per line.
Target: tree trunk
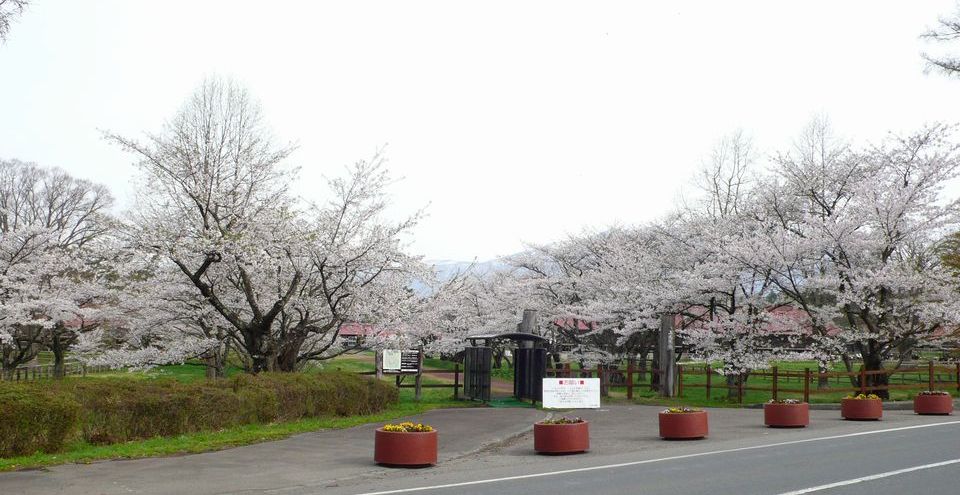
262 352
498 359
214 362
873 361
823 382
287 358
59 356
642 364
733 390
732 386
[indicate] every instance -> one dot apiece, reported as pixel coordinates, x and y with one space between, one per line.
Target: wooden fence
418 382
801 382
45 371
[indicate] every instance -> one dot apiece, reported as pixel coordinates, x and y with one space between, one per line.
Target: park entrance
529 367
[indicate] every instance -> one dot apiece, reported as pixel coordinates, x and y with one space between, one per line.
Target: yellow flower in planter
408 427
681 410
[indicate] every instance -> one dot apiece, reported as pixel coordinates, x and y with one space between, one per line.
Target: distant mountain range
447 269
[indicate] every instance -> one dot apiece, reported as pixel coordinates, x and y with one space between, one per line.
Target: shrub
292 396
43 415
122 409
34 420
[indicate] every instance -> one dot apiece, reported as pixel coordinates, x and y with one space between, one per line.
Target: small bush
34 420
293 396
112 410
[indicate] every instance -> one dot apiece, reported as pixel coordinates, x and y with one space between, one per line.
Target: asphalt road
879 459
490 451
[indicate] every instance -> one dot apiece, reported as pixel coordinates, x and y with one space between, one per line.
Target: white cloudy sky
515 121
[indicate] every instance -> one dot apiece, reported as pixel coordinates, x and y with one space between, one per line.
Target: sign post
402 362
405 362
571 393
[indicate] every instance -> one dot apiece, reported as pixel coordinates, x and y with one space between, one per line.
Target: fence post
418 380
930 375
958 377
630 379
776 375
709 370
603 385
456 381
806 384
679 380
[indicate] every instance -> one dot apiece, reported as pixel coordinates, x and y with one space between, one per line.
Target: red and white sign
571 393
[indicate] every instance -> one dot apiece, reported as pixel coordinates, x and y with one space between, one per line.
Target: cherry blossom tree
9 10
850 237
946 32
278 277
54 260
836 253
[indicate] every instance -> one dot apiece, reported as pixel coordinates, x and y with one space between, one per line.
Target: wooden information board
404 362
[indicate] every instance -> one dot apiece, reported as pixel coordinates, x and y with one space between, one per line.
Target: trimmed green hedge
45 415
32 419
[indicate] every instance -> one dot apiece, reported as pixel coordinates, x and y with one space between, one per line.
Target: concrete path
312 460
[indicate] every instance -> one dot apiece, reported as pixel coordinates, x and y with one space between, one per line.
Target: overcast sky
515 121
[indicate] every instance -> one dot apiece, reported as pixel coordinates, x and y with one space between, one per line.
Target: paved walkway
314 459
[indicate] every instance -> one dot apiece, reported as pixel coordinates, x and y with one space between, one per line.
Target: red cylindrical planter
561 438
861 408
933 404
683 425
405 448
786 415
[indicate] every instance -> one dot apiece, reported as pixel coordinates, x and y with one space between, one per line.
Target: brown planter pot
561 439
405 448
861 408
933 404
786 415
683 425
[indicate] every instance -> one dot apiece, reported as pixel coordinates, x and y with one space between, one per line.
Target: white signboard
391 360
400 361
571 393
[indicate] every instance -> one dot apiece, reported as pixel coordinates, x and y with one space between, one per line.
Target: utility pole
528 325
667 356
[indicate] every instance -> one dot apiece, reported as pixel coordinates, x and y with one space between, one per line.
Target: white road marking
871 477
650 461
